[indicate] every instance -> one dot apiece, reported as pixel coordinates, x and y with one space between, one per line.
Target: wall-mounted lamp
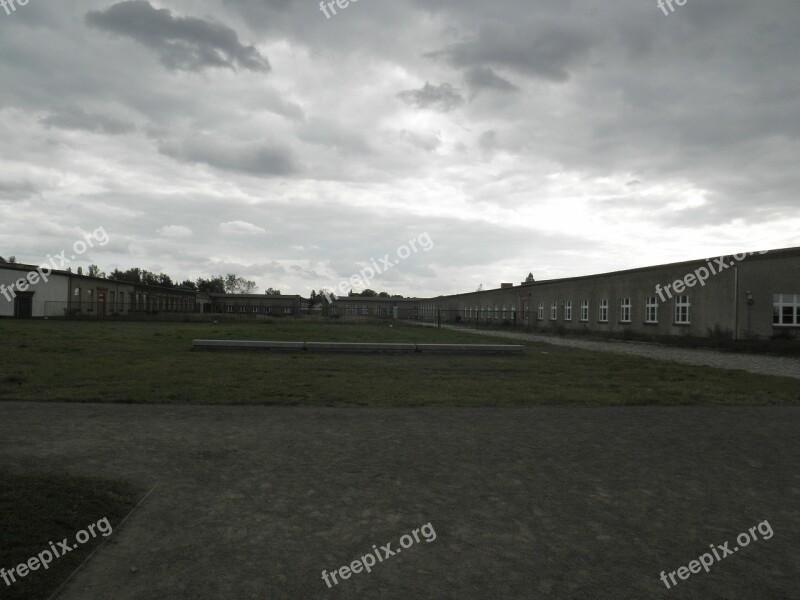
749 298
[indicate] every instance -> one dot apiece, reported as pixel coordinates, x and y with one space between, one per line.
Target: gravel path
560 503
754 363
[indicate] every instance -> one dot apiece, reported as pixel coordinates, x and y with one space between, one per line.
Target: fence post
439 319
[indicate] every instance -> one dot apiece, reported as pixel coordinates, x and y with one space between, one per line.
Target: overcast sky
263 138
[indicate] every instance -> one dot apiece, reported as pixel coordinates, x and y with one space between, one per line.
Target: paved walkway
754 363
550 503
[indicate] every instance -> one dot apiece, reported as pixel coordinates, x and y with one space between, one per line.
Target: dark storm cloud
11 190
548 53
484 78
182 43
79 120
436 97
260 159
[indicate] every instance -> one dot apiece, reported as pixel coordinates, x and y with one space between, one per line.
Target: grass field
36 509
151 363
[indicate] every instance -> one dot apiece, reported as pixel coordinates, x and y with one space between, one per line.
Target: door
23 306
101 303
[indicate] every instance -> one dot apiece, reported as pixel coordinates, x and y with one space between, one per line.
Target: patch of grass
82 361
36 509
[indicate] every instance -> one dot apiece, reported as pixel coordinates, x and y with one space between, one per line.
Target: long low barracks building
747 295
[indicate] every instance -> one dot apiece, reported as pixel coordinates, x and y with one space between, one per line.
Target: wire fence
100 310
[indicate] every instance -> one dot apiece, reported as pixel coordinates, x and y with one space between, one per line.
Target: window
625 310
504 311
122 301
256 309
568 310
554 311
584 310
651 310
541 311
602 312
682 306
514 313
242 308
351 310
229 309
365 311
287 310
786 309
496 311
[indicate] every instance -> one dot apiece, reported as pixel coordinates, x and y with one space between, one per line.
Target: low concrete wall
359 348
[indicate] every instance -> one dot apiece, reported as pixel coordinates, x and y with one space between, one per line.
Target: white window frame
540 314
779 303
651 310
584 311
683 314
625 310
568 310
554 311
602 311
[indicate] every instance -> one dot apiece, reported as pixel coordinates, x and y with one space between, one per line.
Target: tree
529 278
239 285
129 276
480 288
272 292
80 270
215 285
383 295
164 280
94 271
315 298
189 284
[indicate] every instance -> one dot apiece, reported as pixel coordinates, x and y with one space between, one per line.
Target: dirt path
546 502
753 363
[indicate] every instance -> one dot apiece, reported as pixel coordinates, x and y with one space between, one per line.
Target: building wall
256 304
56 289
738 299
93 296
373 307
763 279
